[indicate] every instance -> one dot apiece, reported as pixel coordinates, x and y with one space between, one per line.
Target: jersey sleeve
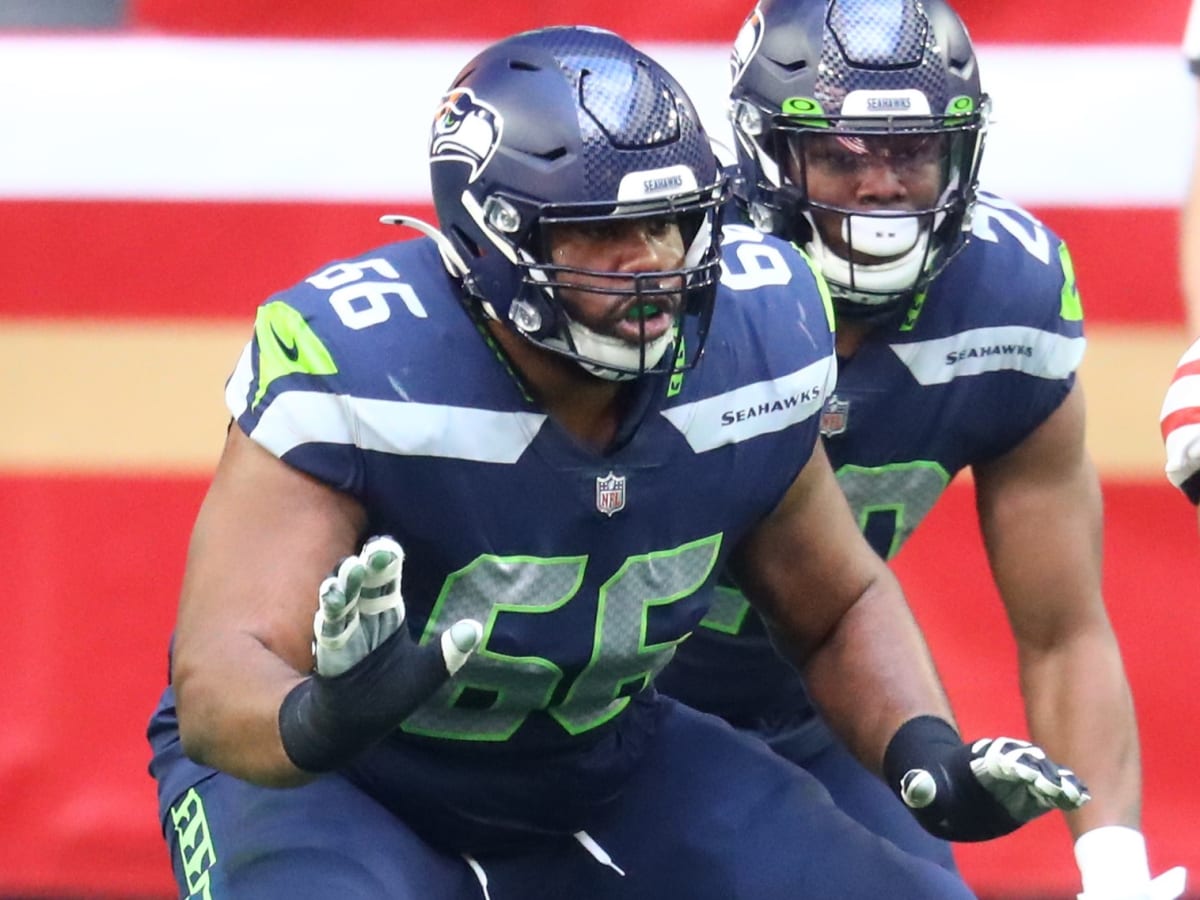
1061 342
1062 339
285 393
1024 270
1180 423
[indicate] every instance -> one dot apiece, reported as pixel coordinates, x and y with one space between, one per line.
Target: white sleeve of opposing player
1191 37
1180 419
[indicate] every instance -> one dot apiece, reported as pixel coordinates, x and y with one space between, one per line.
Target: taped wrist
325 721
1112 861
962 809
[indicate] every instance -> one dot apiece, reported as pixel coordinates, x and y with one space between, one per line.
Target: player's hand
359 606
370 673
978 791
1023 779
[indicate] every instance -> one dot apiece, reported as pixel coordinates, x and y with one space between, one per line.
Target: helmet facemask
886 79
876 252
543 310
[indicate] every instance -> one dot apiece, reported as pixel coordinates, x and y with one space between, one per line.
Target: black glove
974 792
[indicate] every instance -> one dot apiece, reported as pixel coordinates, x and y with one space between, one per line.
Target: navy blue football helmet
573 125
893 78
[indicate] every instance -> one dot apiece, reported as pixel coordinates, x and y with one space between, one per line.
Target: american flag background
166 164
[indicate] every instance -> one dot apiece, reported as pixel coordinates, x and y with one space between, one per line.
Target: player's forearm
874 673
876 683
1080 710
229 714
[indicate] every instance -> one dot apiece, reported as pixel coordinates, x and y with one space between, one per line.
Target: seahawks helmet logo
746 44
466 130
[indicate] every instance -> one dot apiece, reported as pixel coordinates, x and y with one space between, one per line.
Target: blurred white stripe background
159 118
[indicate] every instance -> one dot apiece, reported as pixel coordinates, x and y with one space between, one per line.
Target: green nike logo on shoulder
291 351
287 345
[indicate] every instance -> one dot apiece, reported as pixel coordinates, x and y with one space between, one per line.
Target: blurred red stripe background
244 250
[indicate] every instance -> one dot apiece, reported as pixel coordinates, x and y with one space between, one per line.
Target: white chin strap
596 353
881 236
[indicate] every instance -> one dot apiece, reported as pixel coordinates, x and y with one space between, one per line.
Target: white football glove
1023 780
1113 866
1167 886
360 607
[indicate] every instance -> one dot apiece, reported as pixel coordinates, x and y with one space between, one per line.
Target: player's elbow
231 728
197 716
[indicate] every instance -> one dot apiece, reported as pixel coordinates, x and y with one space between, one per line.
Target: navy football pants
862 794
709 814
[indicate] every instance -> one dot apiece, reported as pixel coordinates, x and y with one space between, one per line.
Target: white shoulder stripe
395 426
237 388
755 409
1016 348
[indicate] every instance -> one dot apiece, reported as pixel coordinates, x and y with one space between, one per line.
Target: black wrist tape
962 810
918 744
323 722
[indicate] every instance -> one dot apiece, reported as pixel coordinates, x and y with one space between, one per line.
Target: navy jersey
586 569
979 362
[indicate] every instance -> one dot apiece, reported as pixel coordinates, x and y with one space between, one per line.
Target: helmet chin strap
878 283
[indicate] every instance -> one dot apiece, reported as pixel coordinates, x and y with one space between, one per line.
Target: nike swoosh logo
291 351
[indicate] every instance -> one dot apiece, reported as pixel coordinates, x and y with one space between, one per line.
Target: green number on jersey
622 658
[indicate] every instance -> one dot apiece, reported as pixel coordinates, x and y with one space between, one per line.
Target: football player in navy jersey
498 440
858 128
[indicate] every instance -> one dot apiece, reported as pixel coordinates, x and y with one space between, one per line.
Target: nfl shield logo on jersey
610 493
834 416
